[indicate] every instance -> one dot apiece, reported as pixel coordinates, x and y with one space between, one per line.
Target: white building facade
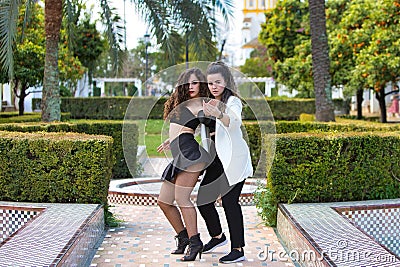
253 17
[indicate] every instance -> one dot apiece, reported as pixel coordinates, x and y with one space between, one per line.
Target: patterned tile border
62 235
117 194
14 219
377 221
334 239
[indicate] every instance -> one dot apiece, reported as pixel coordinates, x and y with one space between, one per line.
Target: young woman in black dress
189 160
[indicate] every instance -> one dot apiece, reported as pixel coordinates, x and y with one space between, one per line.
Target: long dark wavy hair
230 88
181 92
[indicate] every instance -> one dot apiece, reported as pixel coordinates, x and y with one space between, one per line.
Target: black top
183 116
207 121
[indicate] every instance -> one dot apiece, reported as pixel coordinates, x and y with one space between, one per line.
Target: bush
115 108
326 167
109 128
55 167
307 117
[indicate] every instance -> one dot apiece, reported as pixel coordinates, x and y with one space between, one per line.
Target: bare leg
166 202
185 182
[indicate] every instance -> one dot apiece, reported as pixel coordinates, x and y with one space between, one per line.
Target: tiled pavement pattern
61 235
13 218
145 239
319 228
382 222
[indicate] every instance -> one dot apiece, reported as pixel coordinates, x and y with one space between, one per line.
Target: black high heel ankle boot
182 242
195 247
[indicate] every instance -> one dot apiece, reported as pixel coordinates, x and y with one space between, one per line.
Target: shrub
326 167
55 167
109 128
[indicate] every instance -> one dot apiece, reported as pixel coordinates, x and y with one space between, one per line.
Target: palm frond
197 23
226 7
114 32
158 16
27 16
8 31
71 21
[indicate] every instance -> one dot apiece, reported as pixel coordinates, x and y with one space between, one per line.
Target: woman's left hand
211 109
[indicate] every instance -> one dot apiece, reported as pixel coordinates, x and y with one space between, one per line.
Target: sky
136 28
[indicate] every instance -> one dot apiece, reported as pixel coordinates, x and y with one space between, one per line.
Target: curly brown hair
181 92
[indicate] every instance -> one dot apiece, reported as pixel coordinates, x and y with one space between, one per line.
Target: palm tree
320 62
51 90
195 18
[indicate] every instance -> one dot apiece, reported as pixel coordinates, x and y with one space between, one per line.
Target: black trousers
212 186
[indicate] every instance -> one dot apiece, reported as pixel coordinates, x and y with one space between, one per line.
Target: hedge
253 132
326 167
13 116
55 167
114 108
109 128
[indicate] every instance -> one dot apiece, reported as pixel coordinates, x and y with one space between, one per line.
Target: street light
146 43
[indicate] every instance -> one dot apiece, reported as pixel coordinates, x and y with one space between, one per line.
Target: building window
251 3
262 4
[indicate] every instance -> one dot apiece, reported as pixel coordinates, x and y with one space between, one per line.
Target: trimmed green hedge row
13 117
109 128
326 167
253 131
113 108
55 167
152 107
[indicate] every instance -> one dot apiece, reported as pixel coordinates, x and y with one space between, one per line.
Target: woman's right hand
164 146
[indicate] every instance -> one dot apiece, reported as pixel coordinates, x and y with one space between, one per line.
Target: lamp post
146 43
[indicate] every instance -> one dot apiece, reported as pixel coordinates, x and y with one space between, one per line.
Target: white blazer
231 148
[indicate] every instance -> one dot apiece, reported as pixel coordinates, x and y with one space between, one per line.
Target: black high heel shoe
182 242
195 247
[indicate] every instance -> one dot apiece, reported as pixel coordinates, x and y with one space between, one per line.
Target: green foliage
55 167
110 219
266 204
11 117
114 108
118 108
282 109
286 27
258 65
378 60
296 72
363 40
114 129
70 68
306 117
88 44
331 166
254 129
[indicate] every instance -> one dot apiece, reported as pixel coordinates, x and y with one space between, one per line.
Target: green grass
151 134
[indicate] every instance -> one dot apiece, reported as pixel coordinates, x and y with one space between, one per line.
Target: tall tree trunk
380 96
359 103
21 101
51 88
320 61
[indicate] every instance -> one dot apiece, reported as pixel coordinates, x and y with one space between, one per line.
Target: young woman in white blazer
226 175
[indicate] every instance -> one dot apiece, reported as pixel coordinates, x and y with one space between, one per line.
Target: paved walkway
145 238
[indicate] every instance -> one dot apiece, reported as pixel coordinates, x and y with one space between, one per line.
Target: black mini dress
185 150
